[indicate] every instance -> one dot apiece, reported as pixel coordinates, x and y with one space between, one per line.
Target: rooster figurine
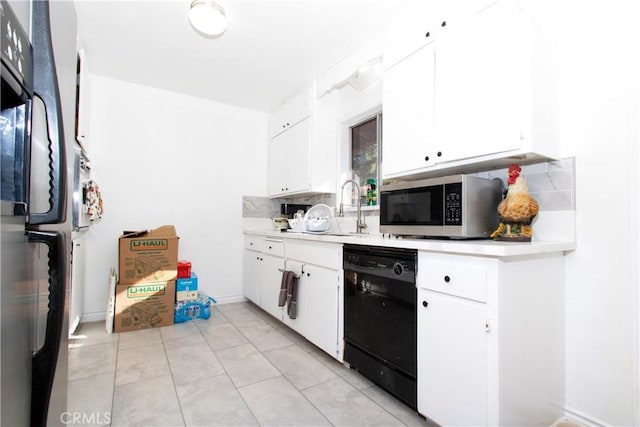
516 211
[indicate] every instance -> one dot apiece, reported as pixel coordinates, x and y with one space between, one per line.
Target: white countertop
463 247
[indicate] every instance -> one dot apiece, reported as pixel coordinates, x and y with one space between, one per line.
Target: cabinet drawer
265 245
253 243
323 254
273 247
454 279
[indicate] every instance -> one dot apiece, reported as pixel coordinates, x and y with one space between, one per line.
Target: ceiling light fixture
208 17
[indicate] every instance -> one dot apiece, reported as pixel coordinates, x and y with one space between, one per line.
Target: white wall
165 158
599 45
340 106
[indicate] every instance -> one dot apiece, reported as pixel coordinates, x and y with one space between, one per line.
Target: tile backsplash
264 207
552 184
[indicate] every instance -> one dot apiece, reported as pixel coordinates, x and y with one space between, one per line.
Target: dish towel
292 297
289 293
284 285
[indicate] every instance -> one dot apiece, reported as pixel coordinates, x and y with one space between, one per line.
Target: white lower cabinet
263 265
318 266
271 273
490 339
317 305
452 351
252 277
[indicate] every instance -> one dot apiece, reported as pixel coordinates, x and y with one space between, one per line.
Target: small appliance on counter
290 213
456 206
289 210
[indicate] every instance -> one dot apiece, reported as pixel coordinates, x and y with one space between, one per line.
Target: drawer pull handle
447 279
424 303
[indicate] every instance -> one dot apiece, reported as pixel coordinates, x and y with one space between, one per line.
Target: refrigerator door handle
45 359
45 82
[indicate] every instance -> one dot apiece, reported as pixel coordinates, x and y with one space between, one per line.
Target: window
365 150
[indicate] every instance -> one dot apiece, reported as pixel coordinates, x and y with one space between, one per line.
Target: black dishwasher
380 319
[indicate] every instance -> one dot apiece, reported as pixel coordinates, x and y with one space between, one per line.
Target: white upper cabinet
414 28
301 158
421 23
480 84
291 112
477 91
409 131
83 100
289 164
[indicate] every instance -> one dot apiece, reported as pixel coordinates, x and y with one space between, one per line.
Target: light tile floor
241 367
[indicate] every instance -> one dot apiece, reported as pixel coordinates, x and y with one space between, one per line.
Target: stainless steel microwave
456 206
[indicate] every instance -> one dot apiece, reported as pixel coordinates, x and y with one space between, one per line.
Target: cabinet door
276 181
478 90
413 28
78 262
270 284
317 305
289 166
452 359
408 109
83 100
251 275
294 110
297 169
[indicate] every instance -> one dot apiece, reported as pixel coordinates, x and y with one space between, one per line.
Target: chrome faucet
360 225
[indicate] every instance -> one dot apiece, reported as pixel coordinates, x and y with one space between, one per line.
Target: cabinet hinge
487 328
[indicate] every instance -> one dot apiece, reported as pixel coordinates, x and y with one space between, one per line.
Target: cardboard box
148 256
187 288
144 305
184 269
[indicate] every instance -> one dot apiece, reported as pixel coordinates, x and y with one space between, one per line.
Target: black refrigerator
35 228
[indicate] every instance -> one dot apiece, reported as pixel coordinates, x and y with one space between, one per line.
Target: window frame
346 171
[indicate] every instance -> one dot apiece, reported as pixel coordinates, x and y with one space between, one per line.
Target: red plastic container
184 269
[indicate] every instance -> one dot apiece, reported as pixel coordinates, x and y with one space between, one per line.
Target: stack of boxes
153 288
187 283
191 304
146 290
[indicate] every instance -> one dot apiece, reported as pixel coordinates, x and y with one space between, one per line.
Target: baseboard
94 317
102 315
230 300
579 418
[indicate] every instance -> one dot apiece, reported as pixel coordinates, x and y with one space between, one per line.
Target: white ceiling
270 49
